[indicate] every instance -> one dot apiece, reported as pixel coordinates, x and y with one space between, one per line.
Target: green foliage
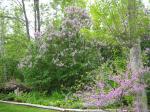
14 46
148 95
112 22
128 100
147 79
15 49
58 62
65 63
55 99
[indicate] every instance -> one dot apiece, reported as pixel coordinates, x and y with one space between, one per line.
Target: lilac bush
74 20
64 54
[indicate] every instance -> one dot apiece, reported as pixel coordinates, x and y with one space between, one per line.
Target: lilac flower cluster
37 34
75 19
73 12
129 83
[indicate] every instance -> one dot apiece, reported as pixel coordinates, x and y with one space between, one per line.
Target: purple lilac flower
37 34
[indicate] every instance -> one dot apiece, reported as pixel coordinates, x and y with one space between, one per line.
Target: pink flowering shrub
127 84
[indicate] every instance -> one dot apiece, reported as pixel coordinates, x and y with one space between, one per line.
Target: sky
146 3
7 4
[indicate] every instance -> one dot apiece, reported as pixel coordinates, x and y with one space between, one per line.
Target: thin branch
19 4
26 19
11 17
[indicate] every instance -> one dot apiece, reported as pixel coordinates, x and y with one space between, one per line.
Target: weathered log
12 85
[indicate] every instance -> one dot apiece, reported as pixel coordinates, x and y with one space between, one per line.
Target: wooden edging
55 108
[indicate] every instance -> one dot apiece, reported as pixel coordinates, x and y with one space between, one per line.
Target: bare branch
11 17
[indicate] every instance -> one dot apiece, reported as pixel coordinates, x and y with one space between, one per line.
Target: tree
124 21
2 48
135 51
26 19
14 44
37 23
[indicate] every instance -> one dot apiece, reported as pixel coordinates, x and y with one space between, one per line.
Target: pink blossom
128 83
101 85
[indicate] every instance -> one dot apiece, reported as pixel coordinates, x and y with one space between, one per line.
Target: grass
55 99
17 108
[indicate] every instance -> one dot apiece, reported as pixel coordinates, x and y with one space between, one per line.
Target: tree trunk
136 64
35 21
135 52
38 16
135 56
26 19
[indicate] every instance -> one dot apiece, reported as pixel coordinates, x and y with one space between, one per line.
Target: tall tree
37 16
135 51
26 19
124 22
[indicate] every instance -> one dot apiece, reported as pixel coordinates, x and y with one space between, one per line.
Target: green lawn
15 108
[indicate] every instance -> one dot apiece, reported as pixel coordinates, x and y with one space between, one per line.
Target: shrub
64 58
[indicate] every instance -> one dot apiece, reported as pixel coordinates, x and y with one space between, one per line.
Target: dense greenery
55 99
75 45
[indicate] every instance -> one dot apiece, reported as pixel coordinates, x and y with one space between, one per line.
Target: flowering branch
128 83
